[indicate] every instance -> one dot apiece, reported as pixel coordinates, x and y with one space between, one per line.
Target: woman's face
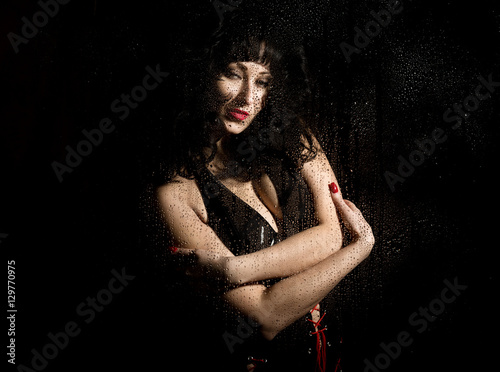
242 90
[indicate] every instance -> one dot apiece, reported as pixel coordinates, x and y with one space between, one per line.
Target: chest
259 195
255 211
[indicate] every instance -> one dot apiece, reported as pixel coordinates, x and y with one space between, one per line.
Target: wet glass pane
250 185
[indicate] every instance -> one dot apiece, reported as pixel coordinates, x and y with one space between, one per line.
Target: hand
359 229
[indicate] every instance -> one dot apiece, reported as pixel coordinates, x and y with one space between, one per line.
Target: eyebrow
243 67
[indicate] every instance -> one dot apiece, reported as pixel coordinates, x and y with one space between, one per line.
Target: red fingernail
173 249
333 187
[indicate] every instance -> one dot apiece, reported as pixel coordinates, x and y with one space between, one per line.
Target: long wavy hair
283 129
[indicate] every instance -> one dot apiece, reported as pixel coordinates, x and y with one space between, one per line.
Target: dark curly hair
278 133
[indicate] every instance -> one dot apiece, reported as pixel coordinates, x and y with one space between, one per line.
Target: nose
246 94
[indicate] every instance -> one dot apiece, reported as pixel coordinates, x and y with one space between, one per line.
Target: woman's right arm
275 307
278 306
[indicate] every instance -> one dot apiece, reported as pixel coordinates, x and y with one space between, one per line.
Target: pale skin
311 262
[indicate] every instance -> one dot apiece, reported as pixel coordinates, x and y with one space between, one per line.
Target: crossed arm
311 261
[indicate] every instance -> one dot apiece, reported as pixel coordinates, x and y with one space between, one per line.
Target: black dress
244 231
220 336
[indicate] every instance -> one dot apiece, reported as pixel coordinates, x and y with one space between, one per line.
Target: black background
439 224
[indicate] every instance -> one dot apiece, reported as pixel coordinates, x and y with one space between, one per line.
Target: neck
222 158
223 165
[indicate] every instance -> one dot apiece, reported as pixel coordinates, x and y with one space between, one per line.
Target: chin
236 127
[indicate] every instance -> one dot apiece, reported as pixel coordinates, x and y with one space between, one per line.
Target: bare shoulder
180 194
179 188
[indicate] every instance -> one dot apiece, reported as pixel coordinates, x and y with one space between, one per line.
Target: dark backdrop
439 224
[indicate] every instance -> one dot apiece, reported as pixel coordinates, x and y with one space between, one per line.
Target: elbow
271 320
367 241
270 327
269 334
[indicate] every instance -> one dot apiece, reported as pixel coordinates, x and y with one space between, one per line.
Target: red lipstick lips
239 114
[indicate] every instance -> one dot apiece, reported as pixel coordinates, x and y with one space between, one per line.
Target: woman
248 203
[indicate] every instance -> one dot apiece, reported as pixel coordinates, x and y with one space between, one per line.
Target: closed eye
263 83
231 74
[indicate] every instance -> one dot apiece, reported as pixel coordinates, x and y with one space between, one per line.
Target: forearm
304 249
293 297
286 258
286 301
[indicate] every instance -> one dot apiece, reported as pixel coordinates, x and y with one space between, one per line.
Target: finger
181 251
173 249
183 256
349 213
337 199
351 205
341 203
